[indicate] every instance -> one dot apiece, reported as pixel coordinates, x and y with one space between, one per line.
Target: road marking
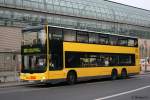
119 94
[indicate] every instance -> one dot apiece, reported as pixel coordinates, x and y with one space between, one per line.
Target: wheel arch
72 71
114 69
124 69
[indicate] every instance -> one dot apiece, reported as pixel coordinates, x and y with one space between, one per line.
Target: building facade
99 15
94 15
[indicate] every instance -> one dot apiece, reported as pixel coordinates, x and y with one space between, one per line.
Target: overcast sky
145 4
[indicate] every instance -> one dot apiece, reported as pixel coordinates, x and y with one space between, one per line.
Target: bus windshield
34 37
34 63
33 50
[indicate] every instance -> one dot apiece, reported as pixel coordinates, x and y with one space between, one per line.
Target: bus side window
69 35
113 40
131 42
93 38
103 39
72 60
107 61
122 41
82 37
126 60
56 33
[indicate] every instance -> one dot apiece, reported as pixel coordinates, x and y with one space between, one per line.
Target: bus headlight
43 78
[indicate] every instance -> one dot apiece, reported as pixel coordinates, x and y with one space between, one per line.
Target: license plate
32 77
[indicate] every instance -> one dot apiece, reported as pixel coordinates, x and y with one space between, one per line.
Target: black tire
114 75
71 78
124 74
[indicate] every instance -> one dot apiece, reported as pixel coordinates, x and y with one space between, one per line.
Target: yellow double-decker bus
56 53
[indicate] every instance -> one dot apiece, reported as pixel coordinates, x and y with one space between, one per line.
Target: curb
145 73
5 85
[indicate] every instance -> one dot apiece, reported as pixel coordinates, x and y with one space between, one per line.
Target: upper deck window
132 42
34 36
55 33
113 40
93 38
82 37
103 39
69 35
122 41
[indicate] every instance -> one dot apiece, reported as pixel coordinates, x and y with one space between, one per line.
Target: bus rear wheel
114 75
124 74
71 78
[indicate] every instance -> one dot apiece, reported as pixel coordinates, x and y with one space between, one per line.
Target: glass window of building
56 2
27 4
41 4
2 1
18 3
2 14
8 14
9 2
56 8
63 9
49 1
17 16
35 4
74 5
50 7
62 3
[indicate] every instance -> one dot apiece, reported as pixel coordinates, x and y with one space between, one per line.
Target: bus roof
83 30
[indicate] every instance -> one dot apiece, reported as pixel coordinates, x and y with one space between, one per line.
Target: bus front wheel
71 78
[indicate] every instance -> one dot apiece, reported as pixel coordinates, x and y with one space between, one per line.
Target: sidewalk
144 72
13 84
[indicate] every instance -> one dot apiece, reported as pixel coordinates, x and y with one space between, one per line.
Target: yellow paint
97 48
34 76
47 38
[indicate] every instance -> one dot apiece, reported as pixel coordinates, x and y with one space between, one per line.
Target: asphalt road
134 88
